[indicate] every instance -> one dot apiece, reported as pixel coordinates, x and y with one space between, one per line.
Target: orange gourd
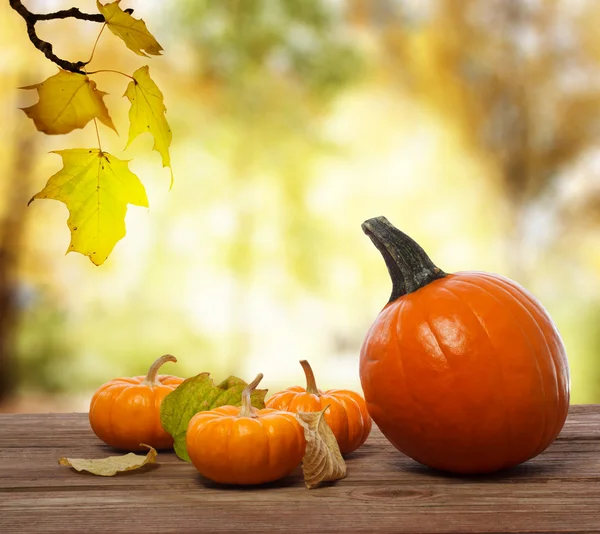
463 372
347 415
230 445
125 412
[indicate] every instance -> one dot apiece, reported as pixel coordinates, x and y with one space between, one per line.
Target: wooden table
559 491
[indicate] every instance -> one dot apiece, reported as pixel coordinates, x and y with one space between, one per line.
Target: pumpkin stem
247 409
150 379
409 265
311 384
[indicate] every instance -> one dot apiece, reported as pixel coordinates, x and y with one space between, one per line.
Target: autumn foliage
96 186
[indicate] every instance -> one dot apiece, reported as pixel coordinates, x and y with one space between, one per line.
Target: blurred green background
473 126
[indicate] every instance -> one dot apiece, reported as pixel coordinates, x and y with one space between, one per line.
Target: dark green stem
409 265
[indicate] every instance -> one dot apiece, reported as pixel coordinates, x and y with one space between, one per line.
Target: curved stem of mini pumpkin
311 384
150 379
409 265
247 409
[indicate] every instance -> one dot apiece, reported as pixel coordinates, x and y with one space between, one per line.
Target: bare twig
45 47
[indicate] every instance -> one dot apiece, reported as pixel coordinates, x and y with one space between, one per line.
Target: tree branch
45 47
69 13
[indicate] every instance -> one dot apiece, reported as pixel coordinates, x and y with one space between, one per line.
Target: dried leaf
108 467
67 101
197 394
322 460
132 31
96 188
147 113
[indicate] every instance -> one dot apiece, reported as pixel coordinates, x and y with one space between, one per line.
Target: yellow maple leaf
132 31
67 101
147 114
96 188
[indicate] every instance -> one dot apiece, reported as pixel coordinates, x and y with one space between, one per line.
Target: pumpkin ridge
99 396
110 385
268 440
518 295
425 320
300 399
527 339
348 402
285 398
541 312
341 409
157 401
563 390
163 391
131 380
207 428
115 402
93 408
227 440
507 425
292 422
409 393
433 332
280 399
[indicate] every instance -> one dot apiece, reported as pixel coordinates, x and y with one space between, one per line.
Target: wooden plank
559 491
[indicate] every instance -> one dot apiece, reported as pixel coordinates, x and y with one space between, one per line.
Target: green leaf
232 395
197 394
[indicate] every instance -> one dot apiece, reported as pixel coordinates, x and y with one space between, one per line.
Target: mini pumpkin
233 445
125 412
463 372
347 414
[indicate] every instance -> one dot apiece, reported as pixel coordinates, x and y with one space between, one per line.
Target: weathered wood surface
384 492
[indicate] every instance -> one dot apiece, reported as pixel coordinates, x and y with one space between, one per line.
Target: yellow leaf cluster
96 187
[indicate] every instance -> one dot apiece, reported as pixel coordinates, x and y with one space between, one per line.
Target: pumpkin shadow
525 470
292 480
364 451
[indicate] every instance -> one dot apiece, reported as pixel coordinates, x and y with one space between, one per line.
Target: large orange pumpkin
346 415
125 412
463 372
233 445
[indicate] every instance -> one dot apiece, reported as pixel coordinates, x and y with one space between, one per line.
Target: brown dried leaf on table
108 467
322 460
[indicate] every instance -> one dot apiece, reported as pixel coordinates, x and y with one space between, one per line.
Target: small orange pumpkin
125 412
347 415
230 445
